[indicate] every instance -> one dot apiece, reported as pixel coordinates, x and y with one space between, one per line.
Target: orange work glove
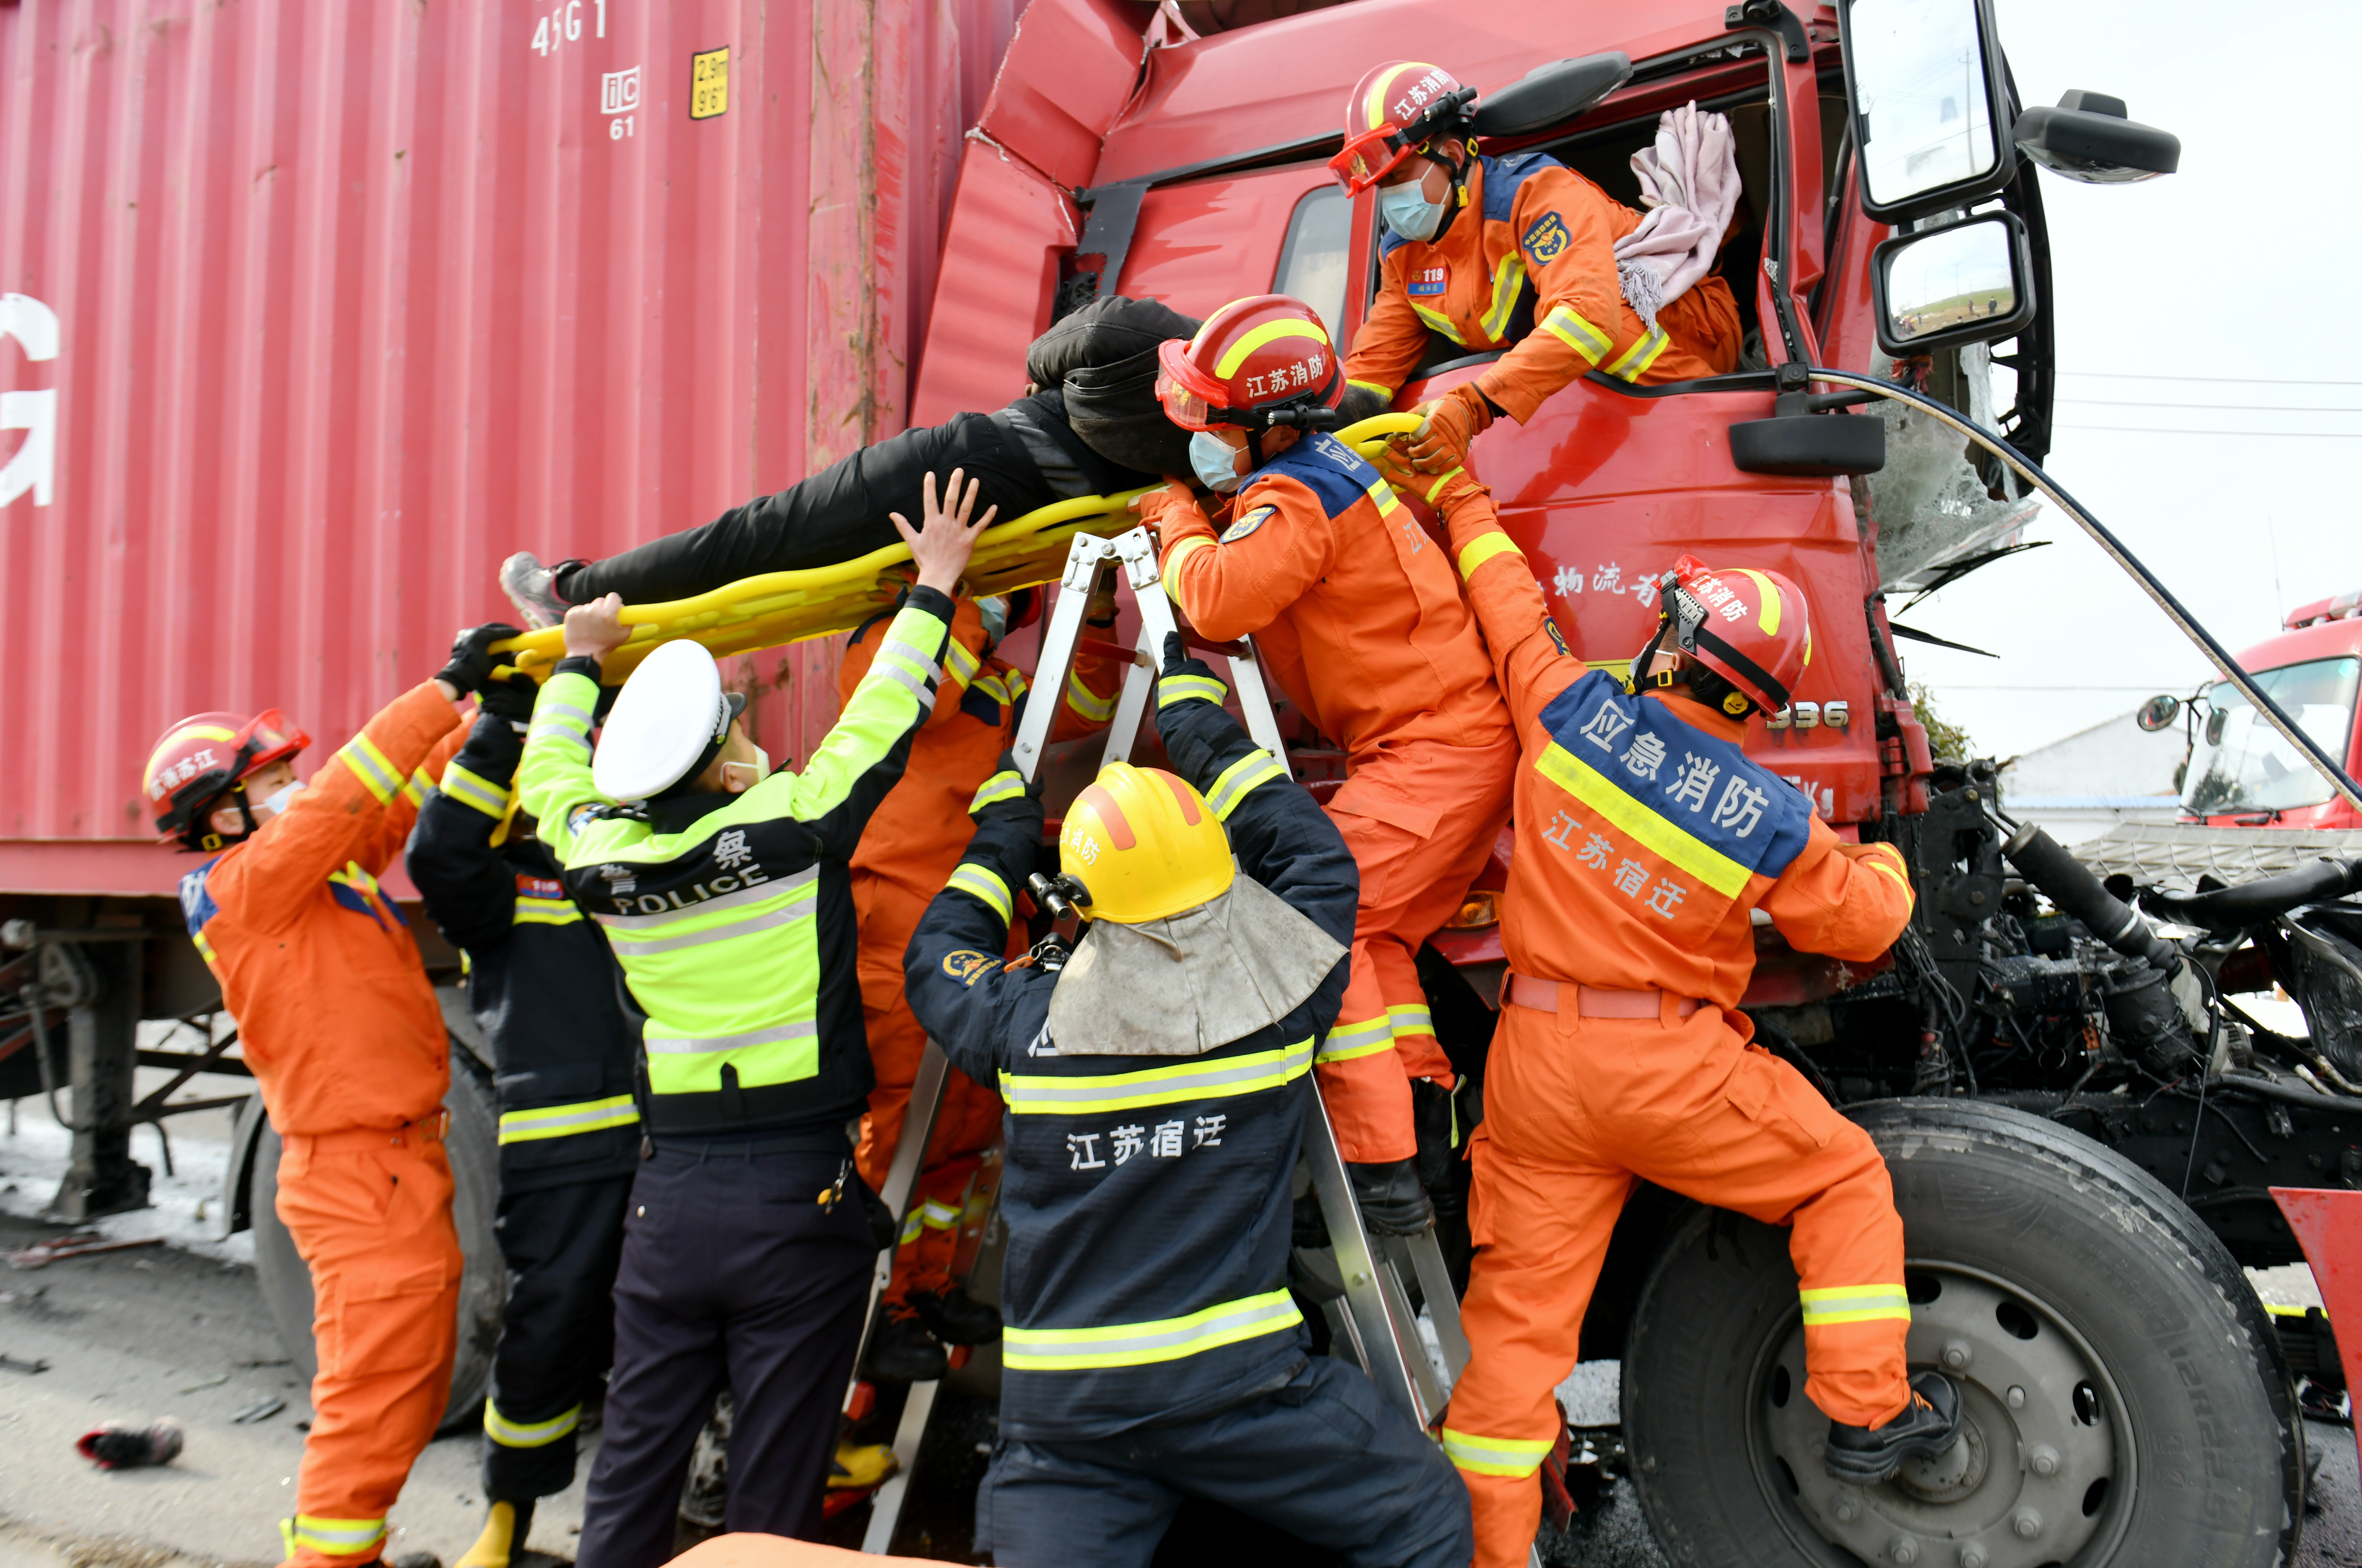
1448 425
1445 491
1173 502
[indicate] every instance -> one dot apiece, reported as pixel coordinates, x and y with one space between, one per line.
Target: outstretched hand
595 630
941 546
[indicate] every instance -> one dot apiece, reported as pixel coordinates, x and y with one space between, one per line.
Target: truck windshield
2239 763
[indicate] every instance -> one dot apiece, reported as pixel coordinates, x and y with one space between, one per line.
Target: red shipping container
311 311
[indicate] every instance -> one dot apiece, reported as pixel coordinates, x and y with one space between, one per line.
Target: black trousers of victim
838 514
732 1276
561 1245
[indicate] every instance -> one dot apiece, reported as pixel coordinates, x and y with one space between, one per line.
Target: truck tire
2127 1403
472 1145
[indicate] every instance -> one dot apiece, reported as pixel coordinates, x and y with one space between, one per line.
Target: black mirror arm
1779 18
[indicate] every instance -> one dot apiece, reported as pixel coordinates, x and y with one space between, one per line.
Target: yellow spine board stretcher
779 607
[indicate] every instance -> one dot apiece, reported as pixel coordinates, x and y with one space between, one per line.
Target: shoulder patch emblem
1547 238
531 886
967 966
1558 638
1247 524
1426 281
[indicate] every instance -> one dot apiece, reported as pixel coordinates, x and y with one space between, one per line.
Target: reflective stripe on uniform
1006 785
1384 391
1366 1039
1086 702
528 1434
1629 364
1483 548
336 1537
743 925
993 688
205 948
474 789
1508 282
939 1216
370 765
913 668
1878 862
1171 689
534 911
959 663
1383 494
1855 1304
910 1232
421 785
1034 1095
563 1121
686 1045
1231 784
1515 1457
1401 1021
1180 551
562 717
983 884
1138 1345
1667 837
1577 334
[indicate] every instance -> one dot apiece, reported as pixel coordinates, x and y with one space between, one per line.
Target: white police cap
670 717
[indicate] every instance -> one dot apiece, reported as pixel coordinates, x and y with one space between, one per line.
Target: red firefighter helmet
201 758
1396 111
1751 628
1257 362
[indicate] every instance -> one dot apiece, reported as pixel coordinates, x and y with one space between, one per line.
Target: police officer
724 892
1157 1084
542 985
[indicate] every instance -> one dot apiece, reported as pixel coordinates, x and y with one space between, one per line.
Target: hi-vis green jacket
733 914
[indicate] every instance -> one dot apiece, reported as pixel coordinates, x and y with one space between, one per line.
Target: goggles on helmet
1371 156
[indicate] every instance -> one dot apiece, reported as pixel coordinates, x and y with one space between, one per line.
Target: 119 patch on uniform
1426 280
1547 238
1247 524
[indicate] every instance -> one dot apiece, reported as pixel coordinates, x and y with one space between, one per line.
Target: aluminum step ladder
1374 1316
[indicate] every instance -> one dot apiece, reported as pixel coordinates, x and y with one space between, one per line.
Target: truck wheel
2127 1402
472 1144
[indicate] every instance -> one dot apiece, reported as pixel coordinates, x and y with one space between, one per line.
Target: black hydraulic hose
2253 902
2216 655
2069 884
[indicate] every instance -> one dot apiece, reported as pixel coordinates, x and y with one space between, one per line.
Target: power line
2232 408
2243 381
2159 430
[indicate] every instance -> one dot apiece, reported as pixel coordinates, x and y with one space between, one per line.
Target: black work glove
511 699
472 659
1185 678
1008 794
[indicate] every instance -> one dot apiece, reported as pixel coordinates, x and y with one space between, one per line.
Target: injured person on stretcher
1089 426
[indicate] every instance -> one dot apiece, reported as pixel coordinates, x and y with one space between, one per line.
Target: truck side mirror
2158 713
1967 282
2087 137
1924 80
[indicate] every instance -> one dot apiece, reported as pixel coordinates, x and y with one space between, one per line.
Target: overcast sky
2191 310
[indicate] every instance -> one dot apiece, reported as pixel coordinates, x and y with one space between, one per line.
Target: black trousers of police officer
735 1275
561 1243
1319 1457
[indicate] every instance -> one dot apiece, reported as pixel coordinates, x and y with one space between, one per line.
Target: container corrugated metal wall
350 298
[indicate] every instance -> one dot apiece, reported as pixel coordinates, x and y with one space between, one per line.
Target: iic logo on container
33 326
618 92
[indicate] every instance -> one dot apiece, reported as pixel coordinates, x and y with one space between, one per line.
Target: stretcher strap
779 608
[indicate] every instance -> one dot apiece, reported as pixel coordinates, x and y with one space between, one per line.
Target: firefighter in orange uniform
910 848
341 1029
1357 617
1645 838
1514 253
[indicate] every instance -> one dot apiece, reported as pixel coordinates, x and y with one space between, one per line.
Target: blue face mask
1408 213
995 610
1215 462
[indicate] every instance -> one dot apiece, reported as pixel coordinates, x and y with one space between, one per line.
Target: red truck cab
2241 771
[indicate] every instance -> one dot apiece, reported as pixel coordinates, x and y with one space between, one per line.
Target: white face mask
276 801
1408 213
754 772
1215 462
